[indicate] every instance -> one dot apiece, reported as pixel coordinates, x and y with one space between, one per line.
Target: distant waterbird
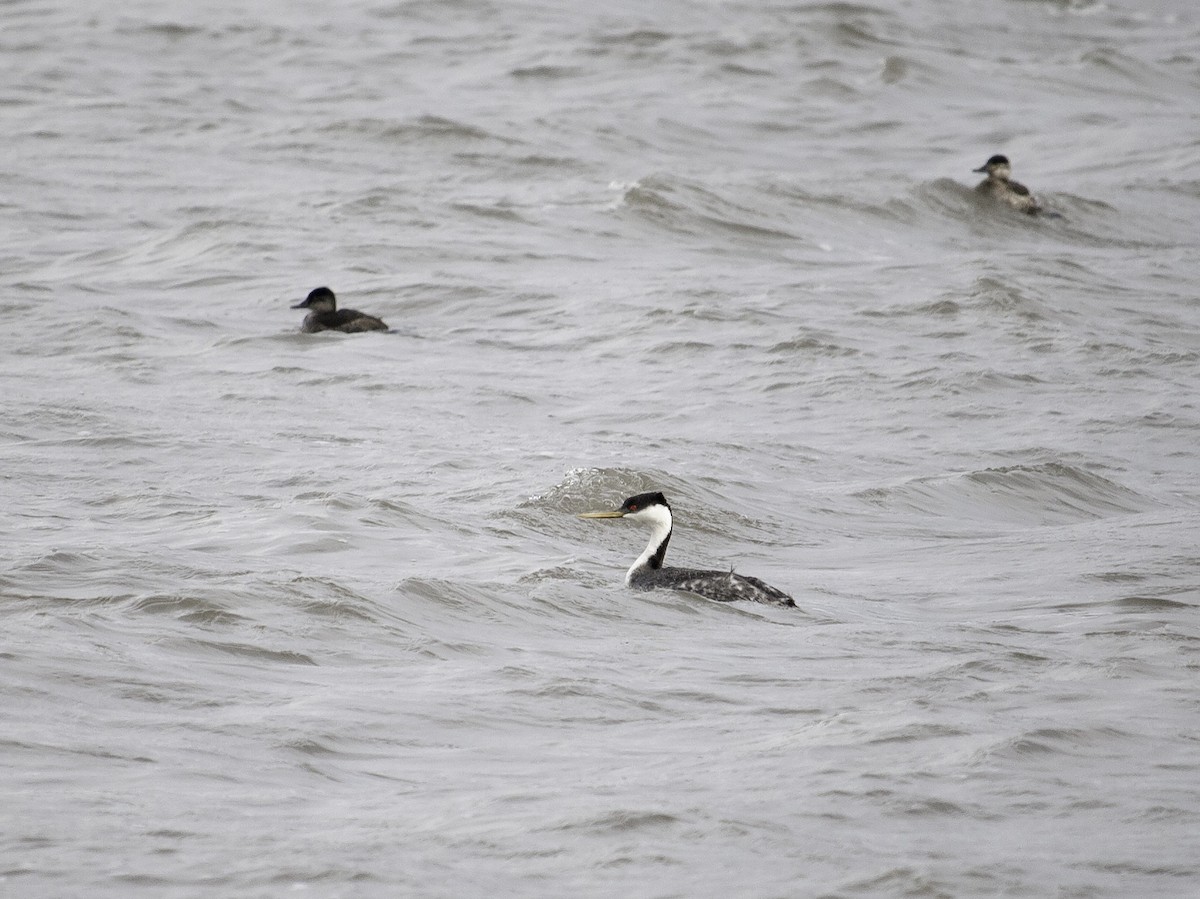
324 315
999 186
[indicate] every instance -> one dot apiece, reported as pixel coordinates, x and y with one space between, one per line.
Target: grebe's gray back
649 573
324 315
999 185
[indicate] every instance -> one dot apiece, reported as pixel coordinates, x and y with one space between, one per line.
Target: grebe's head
651 507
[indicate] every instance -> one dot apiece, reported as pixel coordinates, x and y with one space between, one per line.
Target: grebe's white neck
659 519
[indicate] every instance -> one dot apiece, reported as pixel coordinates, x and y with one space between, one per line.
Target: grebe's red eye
633 507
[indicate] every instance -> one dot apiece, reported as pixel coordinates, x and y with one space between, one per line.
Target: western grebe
999 186
648 572
324 315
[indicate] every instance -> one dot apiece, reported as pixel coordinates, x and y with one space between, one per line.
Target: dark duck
999 186
324 315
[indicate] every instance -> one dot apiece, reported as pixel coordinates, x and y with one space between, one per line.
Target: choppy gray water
313 614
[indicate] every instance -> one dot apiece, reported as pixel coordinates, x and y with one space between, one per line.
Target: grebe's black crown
644 501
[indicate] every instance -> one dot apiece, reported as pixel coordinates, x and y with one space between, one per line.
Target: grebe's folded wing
720 586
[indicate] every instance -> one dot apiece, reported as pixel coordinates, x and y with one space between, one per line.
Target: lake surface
293 614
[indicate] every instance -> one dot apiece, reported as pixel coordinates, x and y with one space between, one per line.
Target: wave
685 207
1070 219
422 129
1049 493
